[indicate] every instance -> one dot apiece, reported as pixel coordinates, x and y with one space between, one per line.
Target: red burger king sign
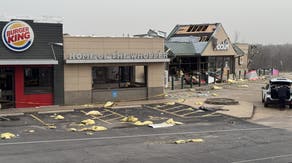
17 36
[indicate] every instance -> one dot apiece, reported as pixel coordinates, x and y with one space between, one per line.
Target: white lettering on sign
117 56
224 45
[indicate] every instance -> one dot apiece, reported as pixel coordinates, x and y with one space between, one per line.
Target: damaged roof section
194 38
201 31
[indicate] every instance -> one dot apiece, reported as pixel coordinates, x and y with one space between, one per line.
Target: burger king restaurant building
31 69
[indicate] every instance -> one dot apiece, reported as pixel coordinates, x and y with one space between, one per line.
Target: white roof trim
28 62
68 61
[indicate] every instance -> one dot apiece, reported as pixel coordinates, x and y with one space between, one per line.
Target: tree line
270 56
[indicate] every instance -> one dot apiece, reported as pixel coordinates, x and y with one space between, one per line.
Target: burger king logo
17 36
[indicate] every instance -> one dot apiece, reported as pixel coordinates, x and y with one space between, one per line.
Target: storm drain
221 101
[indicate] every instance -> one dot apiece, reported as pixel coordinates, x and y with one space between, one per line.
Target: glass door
7 96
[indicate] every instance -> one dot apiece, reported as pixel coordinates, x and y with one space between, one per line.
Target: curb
11 114
56 111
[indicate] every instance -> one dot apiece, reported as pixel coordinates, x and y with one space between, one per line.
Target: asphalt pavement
225 139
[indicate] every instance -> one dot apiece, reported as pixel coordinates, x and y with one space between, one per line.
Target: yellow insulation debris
139 123
108 104
58 117
88 122
94 113
130 119
7 135
171 121
170 103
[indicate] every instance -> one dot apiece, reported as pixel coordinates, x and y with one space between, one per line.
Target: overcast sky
253 21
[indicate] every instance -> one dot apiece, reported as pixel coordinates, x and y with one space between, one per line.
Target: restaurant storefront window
38 80
118 77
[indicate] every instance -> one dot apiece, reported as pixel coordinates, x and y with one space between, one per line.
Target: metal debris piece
161 125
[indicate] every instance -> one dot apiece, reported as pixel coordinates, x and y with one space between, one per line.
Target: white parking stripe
135 136
265 158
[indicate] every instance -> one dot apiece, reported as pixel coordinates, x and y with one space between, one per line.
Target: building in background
31 64
241 58
98 69
199 48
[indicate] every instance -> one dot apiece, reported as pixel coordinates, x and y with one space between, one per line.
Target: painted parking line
95 117
264 158
107 117
182 111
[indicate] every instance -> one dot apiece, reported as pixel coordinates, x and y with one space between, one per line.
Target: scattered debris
89 133
7 135
198 103
130 119
242 86
88 122
58 117
216 87
31 131
200 94
161 125
87 105
108 104
190 109
171 121
180 142
170 103
189 141
139 123
50 126
94 113
181 100
72 129
211 109
230 81
94 128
